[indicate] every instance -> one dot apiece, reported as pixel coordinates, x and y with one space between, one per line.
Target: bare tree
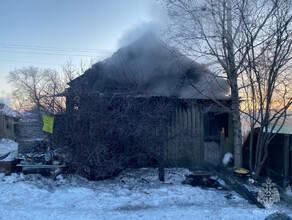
38 88
18 102
71 71
267 83
223 32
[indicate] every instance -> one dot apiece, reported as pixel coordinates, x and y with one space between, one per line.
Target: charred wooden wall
183 140
189 144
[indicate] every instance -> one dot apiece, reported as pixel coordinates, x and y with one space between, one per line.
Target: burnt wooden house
198 127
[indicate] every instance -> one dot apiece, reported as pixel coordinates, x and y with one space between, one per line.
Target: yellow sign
48 123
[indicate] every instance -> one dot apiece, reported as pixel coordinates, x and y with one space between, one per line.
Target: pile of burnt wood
233 181
203 180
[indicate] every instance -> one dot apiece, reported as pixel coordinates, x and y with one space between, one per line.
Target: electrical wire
52 51
30 62
51 54
23 46
47 49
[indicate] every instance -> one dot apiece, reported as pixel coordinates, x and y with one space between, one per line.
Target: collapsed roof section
150 67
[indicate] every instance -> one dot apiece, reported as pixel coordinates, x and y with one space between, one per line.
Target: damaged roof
149 66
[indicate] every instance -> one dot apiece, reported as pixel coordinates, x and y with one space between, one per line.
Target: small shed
9 123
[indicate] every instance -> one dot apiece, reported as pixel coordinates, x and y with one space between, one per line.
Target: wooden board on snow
40 166
233 184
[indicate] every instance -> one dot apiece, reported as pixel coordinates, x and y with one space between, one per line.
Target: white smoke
157 25
146 59
137 31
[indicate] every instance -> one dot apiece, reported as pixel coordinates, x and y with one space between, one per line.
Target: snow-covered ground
135 194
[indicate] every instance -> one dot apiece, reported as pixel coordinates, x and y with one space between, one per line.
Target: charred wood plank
234 184
286 162
203 180
2 157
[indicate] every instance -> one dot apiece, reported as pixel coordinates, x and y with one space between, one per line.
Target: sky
46 33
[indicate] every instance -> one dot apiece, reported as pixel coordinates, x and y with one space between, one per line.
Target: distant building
9 123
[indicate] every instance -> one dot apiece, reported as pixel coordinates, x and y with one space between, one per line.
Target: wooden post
161 156
161 170
222 145
286 161
161 162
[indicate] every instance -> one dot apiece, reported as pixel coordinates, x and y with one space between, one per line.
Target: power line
30 62
52 49
57 48
52 54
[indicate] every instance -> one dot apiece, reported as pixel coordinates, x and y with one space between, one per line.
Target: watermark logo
268 194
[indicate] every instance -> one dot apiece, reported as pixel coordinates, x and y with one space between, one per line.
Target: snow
8 146
9 112
135 194
227 158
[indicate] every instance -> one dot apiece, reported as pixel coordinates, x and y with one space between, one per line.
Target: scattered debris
251 181
3 156
229 196
144 191
232 181
203 180
145 180
44 163
111 199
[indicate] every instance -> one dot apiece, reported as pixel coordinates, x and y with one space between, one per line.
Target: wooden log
2 157
41 166
203 180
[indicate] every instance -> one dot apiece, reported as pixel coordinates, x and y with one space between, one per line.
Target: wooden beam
233 183
286 161
40 166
